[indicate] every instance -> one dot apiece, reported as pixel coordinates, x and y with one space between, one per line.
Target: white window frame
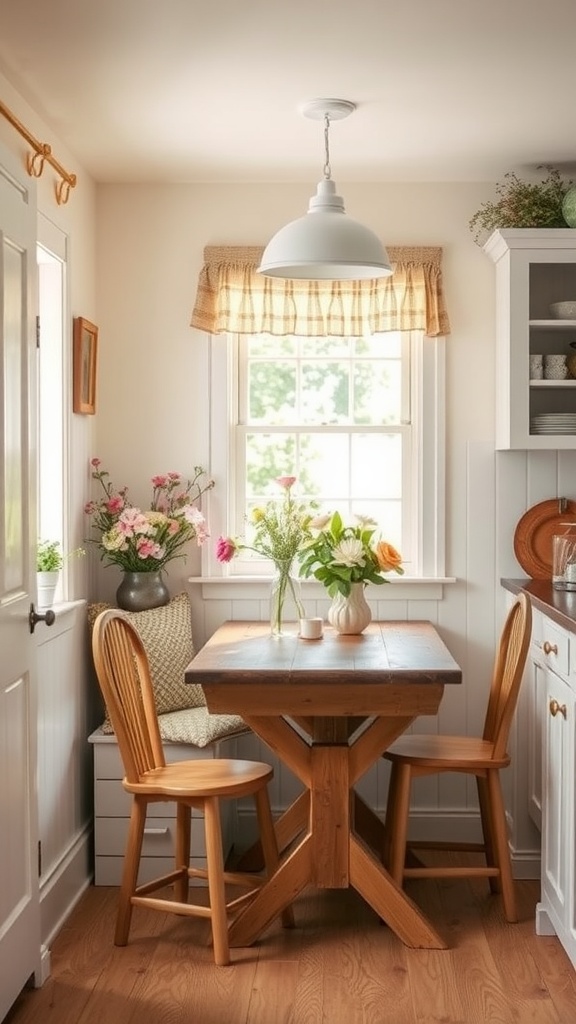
428 482
54 390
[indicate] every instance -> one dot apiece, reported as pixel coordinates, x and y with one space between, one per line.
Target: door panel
20 953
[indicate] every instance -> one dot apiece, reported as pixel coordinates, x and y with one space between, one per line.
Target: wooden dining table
328 708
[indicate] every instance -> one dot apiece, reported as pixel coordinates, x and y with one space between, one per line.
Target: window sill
418 588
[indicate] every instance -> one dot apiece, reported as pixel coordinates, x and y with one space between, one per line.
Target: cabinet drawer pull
549 648
556 708
163 831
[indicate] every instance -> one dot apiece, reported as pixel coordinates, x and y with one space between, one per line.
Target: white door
20 954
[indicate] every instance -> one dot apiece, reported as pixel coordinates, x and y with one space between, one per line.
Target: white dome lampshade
325 244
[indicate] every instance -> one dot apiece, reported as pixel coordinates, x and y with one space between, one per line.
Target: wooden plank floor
339 966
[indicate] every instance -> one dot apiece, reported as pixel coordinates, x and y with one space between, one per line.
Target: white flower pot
46 583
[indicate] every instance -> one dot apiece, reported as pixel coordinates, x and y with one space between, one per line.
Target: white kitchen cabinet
112 812
554 661
534 268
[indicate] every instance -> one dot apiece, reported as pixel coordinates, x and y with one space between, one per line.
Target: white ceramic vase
350 615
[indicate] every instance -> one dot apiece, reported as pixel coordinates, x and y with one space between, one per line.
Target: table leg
293 875
330 816
389 901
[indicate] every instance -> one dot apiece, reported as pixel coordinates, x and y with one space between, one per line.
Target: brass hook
35 161
63 189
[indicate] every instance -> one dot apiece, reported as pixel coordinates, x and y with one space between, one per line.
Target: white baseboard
63 886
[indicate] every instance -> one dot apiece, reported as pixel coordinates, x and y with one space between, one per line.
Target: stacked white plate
554 423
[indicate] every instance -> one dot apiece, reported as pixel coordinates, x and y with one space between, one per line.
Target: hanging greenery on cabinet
523 204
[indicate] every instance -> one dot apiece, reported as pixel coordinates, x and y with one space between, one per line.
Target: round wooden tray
534 532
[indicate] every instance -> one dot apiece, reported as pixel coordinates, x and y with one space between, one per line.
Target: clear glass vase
286 607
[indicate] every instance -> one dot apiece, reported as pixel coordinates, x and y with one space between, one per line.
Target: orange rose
388 557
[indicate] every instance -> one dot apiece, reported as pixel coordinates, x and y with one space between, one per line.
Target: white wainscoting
492 490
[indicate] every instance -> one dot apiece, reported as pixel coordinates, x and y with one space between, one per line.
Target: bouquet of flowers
340 555
146 540
280 530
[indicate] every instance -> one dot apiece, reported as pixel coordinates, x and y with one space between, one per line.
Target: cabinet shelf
554 325
553 383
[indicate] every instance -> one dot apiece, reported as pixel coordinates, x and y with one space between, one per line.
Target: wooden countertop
558 605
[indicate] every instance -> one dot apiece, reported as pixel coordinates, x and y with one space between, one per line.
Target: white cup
311 629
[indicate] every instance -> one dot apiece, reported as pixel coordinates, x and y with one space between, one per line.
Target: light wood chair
413 756
124 678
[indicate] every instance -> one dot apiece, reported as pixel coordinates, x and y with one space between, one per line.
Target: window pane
377 466
325 392
272 392
377 392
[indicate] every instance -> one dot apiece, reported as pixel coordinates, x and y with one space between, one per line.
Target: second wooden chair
413 756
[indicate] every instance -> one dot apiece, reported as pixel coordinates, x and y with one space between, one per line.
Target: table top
337 674
396 651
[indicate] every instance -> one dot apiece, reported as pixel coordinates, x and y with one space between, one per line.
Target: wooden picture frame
85 352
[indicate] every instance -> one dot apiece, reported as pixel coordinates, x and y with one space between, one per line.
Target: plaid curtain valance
232 296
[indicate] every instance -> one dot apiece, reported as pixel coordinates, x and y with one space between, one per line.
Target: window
359 422
52 378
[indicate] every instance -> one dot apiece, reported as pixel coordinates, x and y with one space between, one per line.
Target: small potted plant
523 204
49 561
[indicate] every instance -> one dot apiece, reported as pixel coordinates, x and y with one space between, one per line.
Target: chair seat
449 753
217 777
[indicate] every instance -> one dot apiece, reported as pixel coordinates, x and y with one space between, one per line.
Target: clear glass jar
564 557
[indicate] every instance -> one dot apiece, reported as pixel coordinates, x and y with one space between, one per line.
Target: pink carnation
225 549
286 481
114 505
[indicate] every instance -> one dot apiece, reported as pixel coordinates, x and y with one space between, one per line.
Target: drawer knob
556 708
549 648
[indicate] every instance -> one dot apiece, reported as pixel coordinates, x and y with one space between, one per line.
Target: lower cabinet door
558 808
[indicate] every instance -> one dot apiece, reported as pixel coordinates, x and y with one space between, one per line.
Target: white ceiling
210 90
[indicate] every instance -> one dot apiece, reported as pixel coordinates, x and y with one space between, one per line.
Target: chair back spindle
507 675
122 668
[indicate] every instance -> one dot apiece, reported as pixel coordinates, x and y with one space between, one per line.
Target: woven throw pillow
166 635
198 727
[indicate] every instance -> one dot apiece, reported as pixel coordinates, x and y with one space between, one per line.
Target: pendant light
325 244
